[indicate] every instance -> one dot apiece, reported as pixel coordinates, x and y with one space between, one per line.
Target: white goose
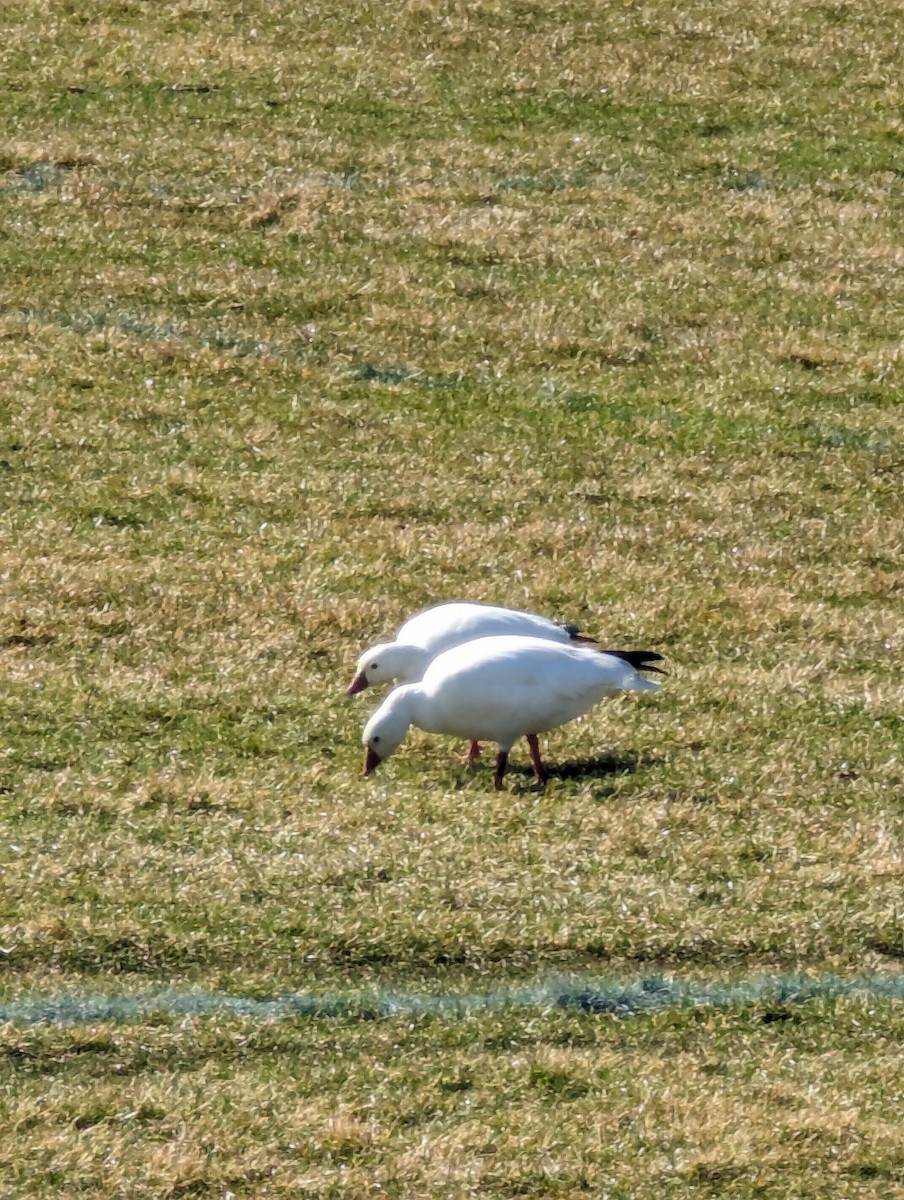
429 633
502 688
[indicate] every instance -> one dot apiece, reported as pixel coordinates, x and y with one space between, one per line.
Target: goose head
384 663
386 729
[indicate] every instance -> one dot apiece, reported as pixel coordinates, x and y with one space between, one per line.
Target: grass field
312 314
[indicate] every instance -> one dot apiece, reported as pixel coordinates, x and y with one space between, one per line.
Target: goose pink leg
540 773
501 764
473 752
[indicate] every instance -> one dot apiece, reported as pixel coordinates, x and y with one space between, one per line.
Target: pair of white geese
489 674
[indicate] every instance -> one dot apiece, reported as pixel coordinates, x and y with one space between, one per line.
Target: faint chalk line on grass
641 997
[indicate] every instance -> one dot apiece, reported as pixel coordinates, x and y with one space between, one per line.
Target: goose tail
639 684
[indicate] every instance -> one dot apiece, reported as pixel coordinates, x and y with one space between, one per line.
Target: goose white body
499 689
447 625
430 633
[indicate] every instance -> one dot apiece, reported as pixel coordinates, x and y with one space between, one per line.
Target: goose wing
446 625
502 687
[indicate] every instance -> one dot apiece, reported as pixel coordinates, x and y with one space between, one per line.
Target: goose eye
376 739
373 666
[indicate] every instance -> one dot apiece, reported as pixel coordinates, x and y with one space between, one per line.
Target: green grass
311 315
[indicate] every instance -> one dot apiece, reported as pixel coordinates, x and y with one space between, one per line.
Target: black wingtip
579 639
640 660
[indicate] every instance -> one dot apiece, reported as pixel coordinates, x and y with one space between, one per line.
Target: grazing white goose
429 633
502 688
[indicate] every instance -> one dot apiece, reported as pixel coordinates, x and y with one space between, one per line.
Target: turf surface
314 314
